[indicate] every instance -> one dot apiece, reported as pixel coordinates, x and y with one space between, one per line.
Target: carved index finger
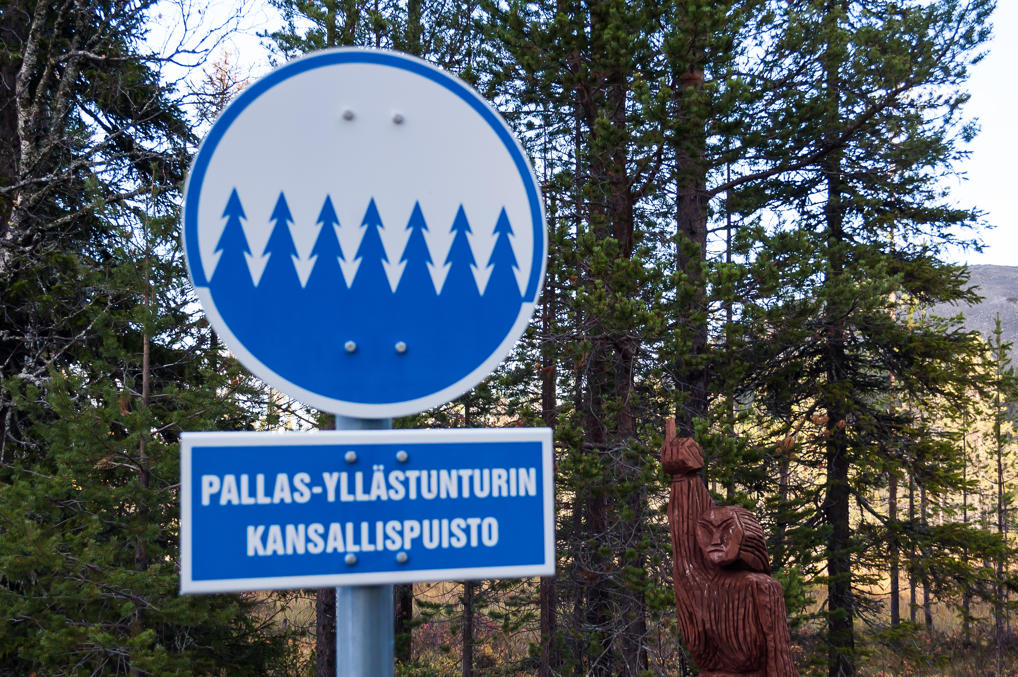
680 456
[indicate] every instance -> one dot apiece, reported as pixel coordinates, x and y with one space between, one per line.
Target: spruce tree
77 69
104 361
89 506
1003 395
829 122
886 103
591 75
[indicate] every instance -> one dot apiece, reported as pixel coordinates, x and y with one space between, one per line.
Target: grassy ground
943 656
912 652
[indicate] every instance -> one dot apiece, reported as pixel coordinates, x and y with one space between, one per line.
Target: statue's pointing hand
680 455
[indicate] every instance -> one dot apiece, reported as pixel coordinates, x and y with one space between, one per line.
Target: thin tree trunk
893 554
1000 591
924 520
549 413
325 610
966 598
413 30
468 629
691 225
912 604
15 25
549 656
841 607
576 639
140 551
325 632
330 23
784 476
402 631
618 624
140 556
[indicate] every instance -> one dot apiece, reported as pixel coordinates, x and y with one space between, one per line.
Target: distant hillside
998 285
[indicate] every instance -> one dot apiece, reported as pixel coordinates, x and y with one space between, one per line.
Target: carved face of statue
730 536
719 534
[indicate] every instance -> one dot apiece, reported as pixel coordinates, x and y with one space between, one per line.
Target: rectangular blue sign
264 510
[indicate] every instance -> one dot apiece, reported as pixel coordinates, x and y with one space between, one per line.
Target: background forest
748 224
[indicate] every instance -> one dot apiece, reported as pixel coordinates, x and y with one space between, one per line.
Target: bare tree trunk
912 604
1000 590
325 632
140 551
325 610
468 629
402 632
14 24
966 597
549 656
924 520
549 414
892 546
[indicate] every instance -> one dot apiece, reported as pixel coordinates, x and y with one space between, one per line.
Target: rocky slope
998 285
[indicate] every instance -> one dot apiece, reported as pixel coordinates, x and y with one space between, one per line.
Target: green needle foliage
747 217
103 363
870 223
89 506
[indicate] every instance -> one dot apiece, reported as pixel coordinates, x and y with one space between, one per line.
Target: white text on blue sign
361 509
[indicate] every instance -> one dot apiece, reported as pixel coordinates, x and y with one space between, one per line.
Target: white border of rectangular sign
332 437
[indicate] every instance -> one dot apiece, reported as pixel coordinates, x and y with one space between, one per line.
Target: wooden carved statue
730 611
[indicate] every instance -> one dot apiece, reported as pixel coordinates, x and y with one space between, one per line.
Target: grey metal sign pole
364 613
247 188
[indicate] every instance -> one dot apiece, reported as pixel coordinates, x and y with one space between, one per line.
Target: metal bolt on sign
304 222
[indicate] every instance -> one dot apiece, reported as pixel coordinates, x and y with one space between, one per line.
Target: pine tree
603 115
438 31
836 347
642 117
89 517
1004 394
69 59
105 360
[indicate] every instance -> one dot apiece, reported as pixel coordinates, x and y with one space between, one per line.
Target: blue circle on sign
365 233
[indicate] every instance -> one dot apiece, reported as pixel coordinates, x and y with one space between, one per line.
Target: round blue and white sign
365 233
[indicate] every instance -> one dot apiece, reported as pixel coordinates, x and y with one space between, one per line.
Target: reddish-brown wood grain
731 612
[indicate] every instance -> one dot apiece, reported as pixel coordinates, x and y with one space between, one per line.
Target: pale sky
988 183
991 178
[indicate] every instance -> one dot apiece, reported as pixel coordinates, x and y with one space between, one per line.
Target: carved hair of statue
730 537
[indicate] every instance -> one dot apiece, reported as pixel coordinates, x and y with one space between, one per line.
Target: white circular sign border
334 57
